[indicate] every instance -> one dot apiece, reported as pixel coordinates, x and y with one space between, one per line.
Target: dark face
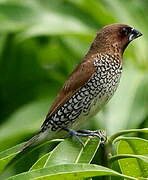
128 33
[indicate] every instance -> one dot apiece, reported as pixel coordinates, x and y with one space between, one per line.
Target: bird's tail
40 137
32 141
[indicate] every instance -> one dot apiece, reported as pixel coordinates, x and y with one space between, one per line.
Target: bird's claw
73 133
101 134
88 133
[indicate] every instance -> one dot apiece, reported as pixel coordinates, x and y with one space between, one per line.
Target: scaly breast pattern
89 99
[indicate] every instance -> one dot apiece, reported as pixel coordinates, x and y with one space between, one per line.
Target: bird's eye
126 30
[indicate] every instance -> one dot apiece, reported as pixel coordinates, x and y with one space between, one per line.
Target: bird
89 87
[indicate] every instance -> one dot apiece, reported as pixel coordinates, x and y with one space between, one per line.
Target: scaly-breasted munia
90 86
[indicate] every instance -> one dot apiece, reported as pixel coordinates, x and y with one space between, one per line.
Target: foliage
70 160
41 42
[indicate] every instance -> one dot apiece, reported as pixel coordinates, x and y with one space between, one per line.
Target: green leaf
72 152
95 10
7 155
34 20
112 138
41 162
55 27
68 171
14 157
136 147
33 112
122 156
79 153
15 16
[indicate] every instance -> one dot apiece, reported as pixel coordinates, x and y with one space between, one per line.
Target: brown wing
77 79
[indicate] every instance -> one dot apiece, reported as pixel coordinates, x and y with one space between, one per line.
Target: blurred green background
41 41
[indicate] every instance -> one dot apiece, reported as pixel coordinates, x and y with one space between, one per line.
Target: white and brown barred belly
89 99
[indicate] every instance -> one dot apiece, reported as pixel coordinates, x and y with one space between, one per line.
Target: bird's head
115 38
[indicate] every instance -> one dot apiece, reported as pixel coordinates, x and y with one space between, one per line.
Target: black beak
134 34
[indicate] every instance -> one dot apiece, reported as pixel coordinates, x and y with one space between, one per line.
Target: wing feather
77 79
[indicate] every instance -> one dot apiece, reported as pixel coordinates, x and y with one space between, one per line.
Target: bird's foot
87 133
101 134
73 133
